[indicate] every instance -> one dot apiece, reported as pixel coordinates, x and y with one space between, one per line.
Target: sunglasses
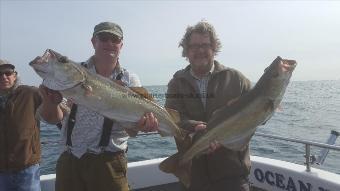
7 73
104 37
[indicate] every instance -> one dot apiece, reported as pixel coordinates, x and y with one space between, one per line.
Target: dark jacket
225 84
19 130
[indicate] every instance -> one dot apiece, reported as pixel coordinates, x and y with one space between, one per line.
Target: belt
115 153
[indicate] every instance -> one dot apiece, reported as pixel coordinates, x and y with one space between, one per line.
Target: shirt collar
91 67
206 75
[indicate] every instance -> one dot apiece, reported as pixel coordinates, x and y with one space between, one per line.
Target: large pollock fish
100 94
233 125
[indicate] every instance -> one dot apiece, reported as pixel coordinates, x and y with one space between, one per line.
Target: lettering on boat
284 182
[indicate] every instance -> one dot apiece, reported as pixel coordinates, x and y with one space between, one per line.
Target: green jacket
19 130
224 85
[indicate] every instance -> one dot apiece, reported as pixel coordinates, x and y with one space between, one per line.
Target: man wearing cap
19 132
95 147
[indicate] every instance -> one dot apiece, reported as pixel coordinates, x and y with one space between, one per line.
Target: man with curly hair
211 86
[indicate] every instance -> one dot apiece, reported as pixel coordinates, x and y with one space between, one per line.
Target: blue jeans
27 179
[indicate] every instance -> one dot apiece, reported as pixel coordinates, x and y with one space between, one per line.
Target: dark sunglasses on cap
7 73
104 37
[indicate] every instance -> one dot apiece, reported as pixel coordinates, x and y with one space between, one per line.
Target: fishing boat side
266 174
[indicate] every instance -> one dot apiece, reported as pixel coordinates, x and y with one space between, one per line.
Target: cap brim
7 66
109 31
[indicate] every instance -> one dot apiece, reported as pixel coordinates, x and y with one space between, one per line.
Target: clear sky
252 33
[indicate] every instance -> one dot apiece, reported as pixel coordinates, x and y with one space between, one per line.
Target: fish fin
222 109
182 134
229 103
142 92
182 172
240 143
128 125
215 113
266 120
279 108
233 101
269 107
174 114
172 164
184 143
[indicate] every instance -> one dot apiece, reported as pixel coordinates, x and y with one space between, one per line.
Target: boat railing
310 159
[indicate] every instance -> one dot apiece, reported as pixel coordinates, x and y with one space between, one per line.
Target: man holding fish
94 157
214 102
19 132
217 105
216 85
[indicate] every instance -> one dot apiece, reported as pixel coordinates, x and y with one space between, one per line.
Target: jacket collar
185 73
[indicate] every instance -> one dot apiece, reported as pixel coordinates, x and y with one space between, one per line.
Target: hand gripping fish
233 125
101 94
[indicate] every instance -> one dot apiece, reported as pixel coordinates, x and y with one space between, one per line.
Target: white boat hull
267 174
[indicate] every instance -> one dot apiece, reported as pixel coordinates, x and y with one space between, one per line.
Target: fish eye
63 59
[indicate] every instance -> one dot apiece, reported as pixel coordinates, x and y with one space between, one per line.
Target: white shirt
202 84
88 127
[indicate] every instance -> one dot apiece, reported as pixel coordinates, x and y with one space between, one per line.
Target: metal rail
310 159
322 145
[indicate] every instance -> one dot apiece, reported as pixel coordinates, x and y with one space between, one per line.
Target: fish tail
181 134
172 165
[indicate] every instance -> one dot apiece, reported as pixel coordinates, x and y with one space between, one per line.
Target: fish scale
101 94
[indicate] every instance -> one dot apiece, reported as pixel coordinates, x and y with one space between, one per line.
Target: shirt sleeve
133 80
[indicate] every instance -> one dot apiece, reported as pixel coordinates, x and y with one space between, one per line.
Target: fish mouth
288 65
41 60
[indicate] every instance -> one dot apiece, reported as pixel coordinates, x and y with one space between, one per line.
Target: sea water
309 111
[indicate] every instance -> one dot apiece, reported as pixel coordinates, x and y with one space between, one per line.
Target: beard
201 63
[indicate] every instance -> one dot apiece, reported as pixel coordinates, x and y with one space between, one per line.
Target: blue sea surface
309 111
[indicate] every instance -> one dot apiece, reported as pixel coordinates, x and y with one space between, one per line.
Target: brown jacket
19 130
224 85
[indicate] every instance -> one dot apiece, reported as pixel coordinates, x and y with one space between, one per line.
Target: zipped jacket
224 85
19 130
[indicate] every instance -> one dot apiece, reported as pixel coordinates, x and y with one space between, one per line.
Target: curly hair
201 27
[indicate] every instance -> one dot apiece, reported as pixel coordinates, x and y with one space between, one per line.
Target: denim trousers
27 179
